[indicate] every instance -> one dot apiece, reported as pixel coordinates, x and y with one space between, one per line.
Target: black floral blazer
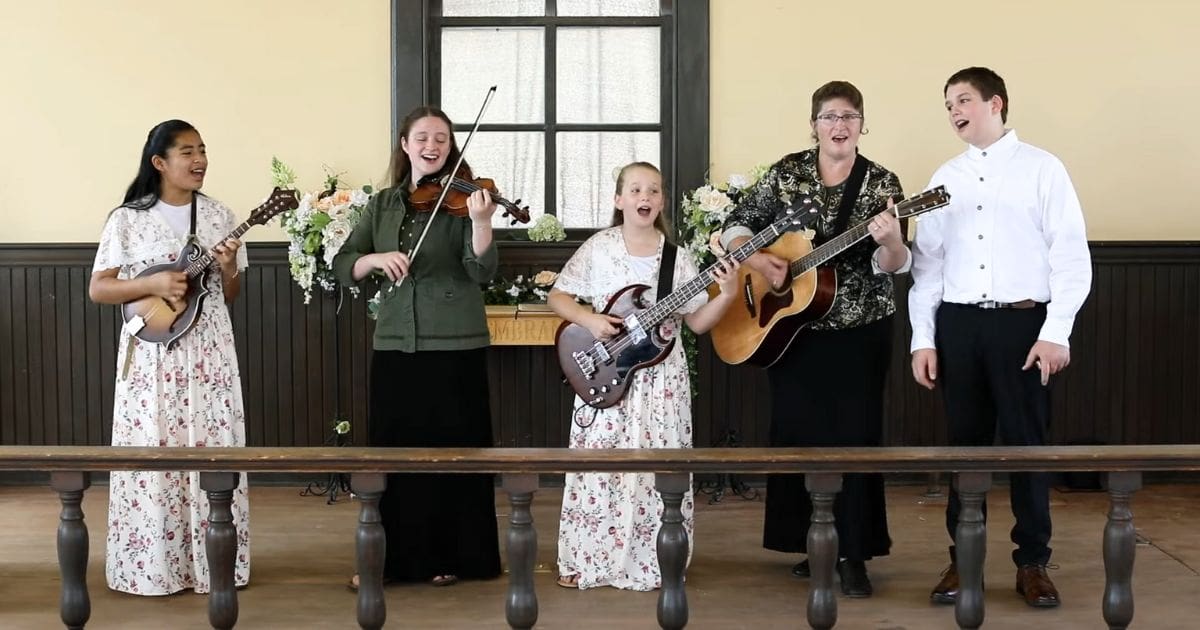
862 295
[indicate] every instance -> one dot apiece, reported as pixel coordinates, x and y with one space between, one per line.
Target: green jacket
440 305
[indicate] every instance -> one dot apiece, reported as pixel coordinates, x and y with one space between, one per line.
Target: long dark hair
401 166
661 222
143 193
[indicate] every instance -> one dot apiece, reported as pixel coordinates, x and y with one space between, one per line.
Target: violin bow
462 154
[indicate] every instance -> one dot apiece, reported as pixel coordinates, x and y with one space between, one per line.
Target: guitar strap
666 271
191 237
850 193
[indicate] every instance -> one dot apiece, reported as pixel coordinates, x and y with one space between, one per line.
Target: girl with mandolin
827 386
187 393
429 377
609 522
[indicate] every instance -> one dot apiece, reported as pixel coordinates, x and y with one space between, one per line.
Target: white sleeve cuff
903 268
1056 330
732 232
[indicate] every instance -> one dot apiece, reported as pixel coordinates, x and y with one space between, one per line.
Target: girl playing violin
429 383
609 522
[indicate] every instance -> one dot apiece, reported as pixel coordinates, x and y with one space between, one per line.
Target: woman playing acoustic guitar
827 388
188 395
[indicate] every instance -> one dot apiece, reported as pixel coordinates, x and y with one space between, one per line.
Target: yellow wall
1107 86
85 81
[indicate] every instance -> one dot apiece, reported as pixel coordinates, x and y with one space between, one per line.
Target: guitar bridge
586 365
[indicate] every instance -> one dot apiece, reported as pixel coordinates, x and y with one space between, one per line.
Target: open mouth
198 173
644 210
961 124
430 158
839 138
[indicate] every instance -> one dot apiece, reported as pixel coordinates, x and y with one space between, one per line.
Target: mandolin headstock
280 201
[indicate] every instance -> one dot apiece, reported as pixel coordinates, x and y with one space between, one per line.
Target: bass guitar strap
666 270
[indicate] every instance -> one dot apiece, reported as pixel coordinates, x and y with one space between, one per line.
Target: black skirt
827 390
436 524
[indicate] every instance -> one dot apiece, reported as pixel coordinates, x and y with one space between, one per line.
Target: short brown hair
832 90
986 81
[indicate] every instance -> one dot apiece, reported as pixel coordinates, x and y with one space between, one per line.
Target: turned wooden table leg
75 607
970 542
672 550
521 606
220 544
1120 548
822 549
370 546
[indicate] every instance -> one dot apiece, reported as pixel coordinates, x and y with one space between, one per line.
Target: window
583 87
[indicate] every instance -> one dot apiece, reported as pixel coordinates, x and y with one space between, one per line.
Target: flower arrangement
318 227
521 290
546 229
705 209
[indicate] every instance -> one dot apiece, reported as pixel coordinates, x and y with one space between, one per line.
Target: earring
865 131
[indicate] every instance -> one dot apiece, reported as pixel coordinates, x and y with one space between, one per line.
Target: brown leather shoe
947 590
1036 587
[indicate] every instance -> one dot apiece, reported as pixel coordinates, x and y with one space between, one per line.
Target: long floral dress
609 523
189 395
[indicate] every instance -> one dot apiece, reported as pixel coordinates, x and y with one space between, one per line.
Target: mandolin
155 319
759 328
599 371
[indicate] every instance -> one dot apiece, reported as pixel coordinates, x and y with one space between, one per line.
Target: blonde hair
661 222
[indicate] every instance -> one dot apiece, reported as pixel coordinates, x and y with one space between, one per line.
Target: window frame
684 111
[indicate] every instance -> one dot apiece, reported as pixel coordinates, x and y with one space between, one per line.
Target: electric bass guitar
155 319
600 371
759 328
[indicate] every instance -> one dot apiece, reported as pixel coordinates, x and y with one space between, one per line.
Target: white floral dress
608 528
187 396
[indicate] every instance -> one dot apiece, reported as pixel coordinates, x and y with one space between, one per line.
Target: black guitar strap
850 193
666 271
191 237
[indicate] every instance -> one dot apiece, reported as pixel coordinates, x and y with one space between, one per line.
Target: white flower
514 290
714 202
739 181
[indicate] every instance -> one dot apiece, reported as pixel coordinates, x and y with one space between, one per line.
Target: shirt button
980 179
985 154
981 266
985 295
979 207
981 237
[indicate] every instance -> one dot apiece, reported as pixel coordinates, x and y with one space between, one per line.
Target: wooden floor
302 554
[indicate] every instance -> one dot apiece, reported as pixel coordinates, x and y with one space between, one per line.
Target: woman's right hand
772 267
601 325
171 285
393 264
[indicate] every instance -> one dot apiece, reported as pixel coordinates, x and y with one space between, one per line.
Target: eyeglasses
849 119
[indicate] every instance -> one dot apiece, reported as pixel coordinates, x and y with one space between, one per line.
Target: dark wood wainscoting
1134 375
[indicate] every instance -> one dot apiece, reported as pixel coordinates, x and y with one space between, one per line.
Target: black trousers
987 394
827 390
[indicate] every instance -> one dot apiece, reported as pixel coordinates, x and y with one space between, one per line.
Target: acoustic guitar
599 371
759 328
155 319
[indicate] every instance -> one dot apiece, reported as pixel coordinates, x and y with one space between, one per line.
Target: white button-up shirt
1013 231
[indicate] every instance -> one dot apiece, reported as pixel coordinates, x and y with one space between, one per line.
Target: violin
430 189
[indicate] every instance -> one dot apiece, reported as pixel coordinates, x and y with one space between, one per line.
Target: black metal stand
716 489
336 483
